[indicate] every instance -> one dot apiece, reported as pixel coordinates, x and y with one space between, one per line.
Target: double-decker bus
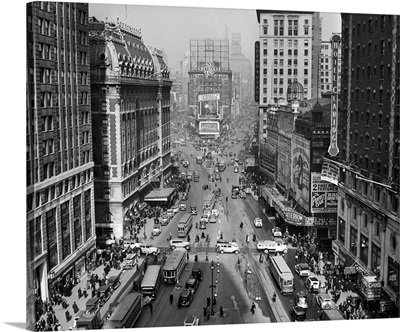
209 202
126 313
185 224
282 274
174 266
222 166
151 281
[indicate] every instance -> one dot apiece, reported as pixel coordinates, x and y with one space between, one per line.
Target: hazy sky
171 28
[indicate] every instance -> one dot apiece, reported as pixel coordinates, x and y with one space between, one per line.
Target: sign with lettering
208 127
333 148
323 195
301 170
209 68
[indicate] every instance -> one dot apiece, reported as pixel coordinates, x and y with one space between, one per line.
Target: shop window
342 230
364 249
353 240
393 275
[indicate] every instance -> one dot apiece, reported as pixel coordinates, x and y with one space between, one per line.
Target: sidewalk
127 278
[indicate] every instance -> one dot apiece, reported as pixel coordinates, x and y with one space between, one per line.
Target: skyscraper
60 204
368 164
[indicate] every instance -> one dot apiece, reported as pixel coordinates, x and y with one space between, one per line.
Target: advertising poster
268 157
323 195
300 172
209 105
208 127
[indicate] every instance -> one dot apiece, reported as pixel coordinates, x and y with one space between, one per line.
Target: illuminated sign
209 97
209 68
208 127
323 195
330 172
333 148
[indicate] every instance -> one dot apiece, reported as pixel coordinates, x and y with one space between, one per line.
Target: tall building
60 201
131 87
289 47
210 85
325 73
368 232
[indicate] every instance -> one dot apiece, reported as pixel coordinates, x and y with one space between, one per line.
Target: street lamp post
212 267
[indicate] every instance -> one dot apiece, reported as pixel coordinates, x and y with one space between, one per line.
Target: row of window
358 116
49 99
357 96
292 28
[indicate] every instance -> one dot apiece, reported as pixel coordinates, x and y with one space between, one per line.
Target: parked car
185 196
258 222
170 213
248 191
242 194
182 207
175 208
164 220
325 301
178 243
277 232
302 269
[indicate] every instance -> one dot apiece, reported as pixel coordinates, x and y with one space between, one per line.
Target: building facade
60 201
368 162
289 47
325 68
131 125
210 85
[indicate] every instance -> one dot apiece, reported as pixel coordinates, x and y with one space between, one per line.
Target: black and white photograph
205 164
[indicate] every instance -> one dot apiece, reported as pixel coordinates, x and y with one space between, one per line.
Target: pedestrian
84 293
221 311
151 307
208 301
67 316
253 308
187 255
171 298
261 258
93 292
75 307
195 258
79 292
274 297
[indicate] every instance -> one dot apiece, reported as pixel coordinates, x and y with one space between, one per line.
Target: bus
331 314
209 202
199 159
151 281
222 166
282 274
185 224
126 313
174 266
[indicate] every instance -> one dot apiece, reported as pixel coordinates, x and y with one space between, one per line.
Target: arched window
107 217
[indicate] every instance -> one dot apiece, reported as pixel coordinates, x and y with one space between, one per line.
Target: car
302 269
215 212
269 246
178 243
325 301
213 219
191 321
147 249
228 248
185 298
185 196
193 209
192 283
277 232
182 207
258 222
197 273
248 191
170 213
185 163
156 230
204 217
242 194
298 314
230 153
175 208
217 177
240 162
208 213
232 162
312 284
164 220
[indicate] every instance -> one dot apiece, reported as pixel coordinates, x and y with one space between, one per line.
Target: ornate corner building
60 204
130 86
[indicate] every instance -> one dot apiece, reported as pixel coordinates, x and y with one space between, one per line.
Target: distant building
60 234
325 74
131 86
289 47
210 85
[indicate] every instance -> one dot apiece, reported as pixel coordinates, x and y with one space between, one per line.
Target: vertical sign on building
257 71
333 148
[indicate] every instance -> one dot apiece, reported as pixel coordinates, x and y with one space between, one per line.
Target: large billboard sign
333 148
208 127
323 195
209 106
300 172
330 172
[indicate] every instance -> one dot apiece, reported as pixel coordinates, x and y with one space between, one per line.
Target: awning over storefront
159 195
